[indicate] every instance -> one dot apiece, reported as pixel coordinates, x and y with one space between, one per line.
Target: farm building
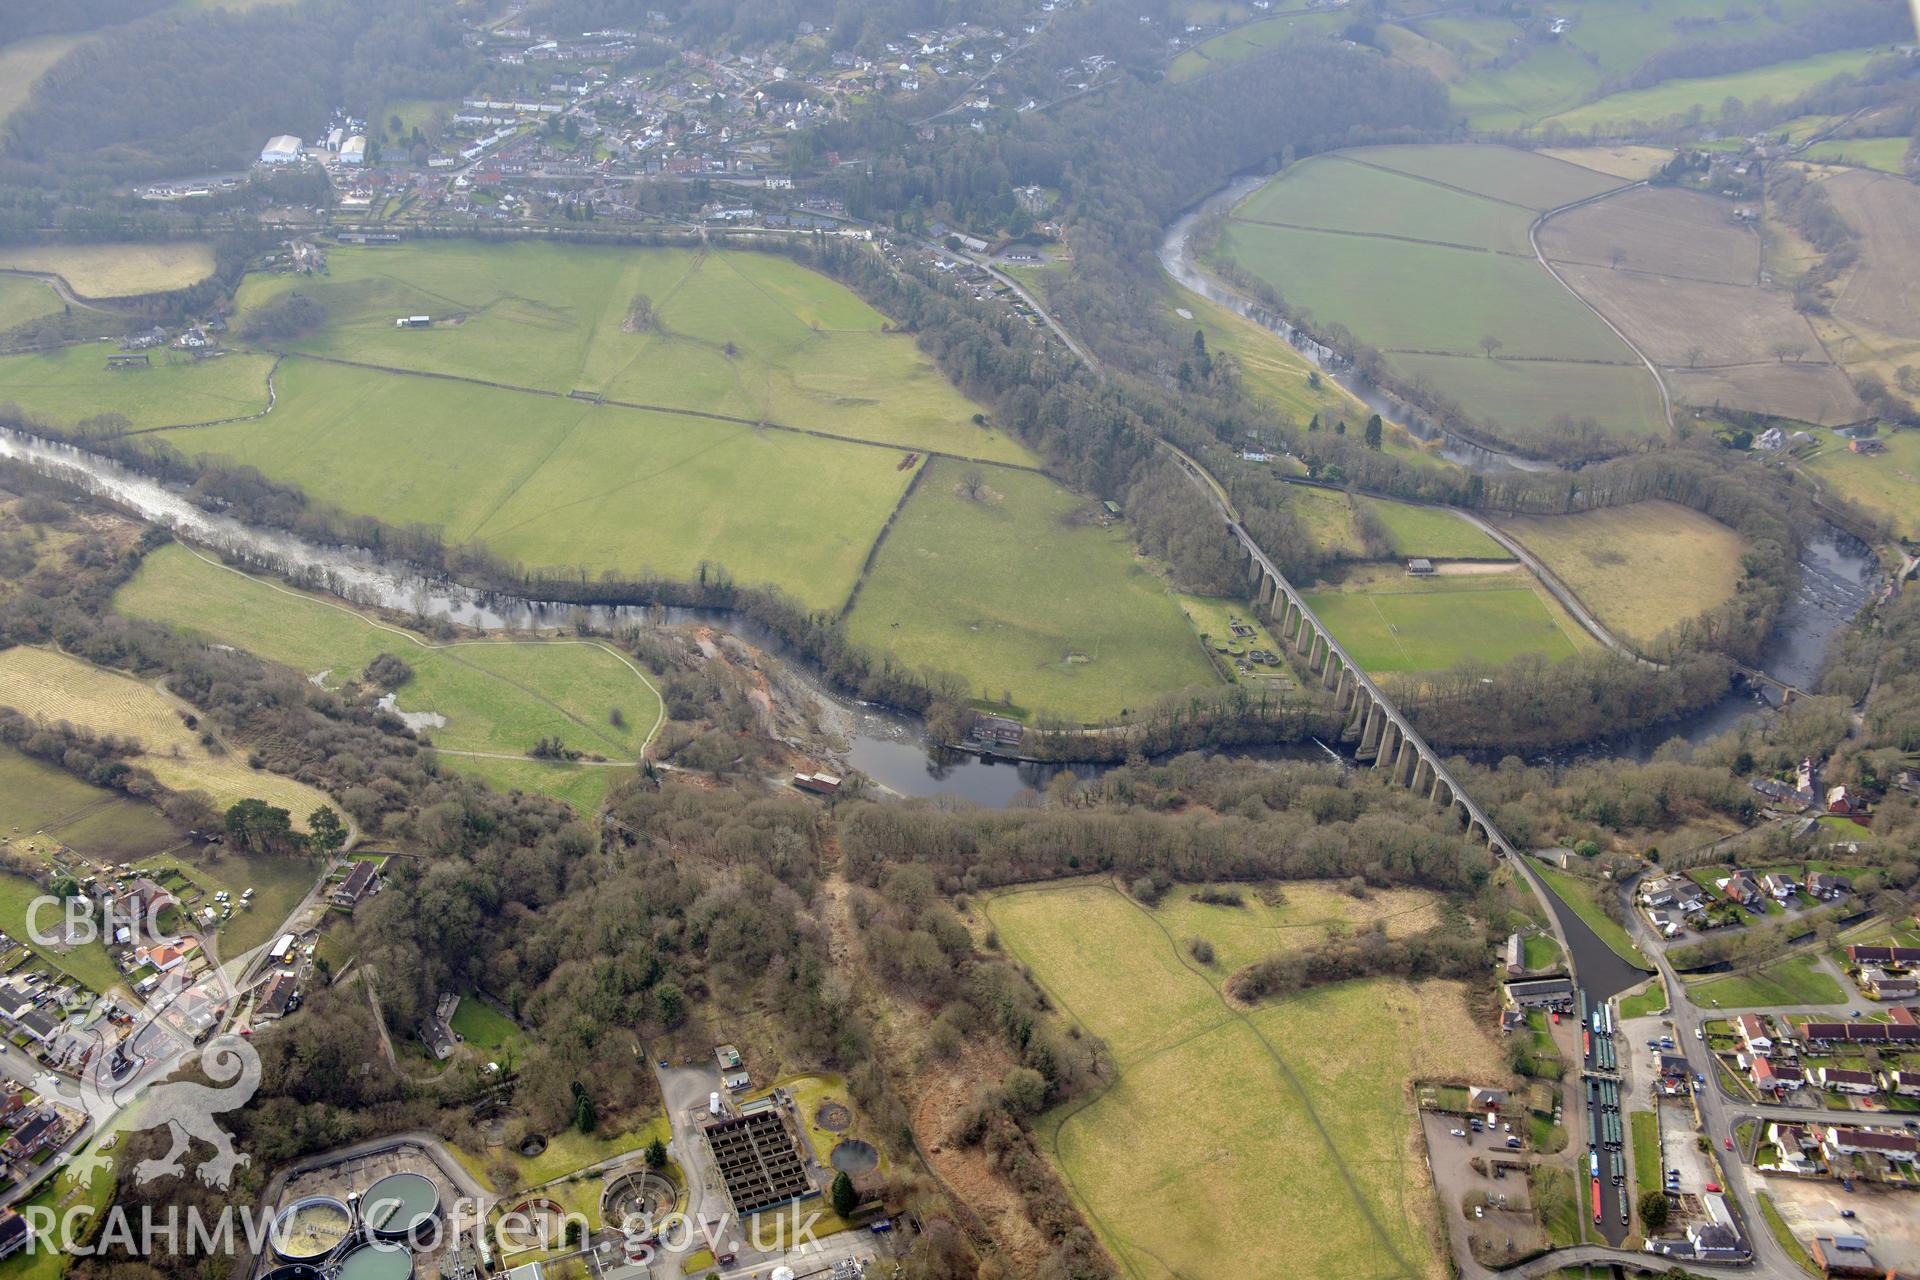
1540 992
1515 965
281 149
1420 565
360 882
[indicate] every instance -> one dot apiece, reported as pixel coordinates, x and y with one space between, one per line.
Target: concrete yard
1890 1220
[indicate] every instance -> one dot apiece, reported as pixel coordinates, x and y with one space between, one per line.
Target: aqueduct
1380 733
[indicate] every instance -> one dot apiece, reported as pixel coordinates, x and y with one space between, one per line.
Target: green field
1550 78
1519 399
1246 41
23 62
1780 82
1328 519
23 298
1652 1000
496 696
38 799
807 352
116 270
1640 569
1524 178
1258 1144
1347 192
1886 483
1794 980
486 1028
88 962
1431 532
1647 1175
1391 622
1425 272
1021 591
73 384
1889 155
1444 299
1285 917
556 482
1540 951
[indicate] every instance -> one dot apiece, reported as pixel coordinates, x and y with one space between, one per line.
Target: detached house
1753 1035
1780 886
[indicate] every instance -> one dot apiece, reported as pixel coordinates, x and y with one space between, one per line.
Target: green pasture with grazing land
1889 155
1197 1078
560 483
1507 174
47 683
23 298
1022 589
1779 81
1272 918
1887 483
72 384
1345 191
496 696
1794 980
1392 622
1328 520
748 335
115 270
23 62
1431 532
1431 275
1641 569
1245 42
39 799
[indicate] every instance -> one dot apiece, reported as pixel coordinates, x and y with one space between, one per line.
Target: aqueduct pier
1380 733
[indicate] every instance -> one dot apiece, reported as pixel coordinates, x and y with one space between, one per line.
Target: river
888 746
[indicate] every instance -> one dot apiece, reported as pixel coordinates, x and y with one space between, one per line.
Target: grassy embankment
1582 897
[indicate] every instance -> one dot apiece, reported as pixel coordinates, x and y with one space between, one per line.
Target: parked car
1699 1033
1727 1143
1846 1213
1458 1133
1713 1186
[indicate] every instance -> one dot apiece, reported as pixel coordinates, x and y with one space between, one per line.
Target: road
1533 239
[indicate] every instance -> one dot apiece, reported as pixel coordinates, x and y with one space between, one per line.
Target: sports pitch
1022 590
497 697
1276 1141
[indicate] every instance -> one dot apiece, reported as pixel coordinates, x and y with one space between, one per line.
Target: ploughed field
495 698
656 413
1423 253
1277 1140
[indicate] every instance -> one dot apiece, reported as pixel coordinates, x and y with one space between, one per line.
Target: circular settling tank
293 1271
310 1229
377 1262
400 1205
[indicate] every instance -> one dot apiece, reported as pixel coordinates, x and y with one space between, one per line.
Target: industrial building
759 1161
281 149
354 150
